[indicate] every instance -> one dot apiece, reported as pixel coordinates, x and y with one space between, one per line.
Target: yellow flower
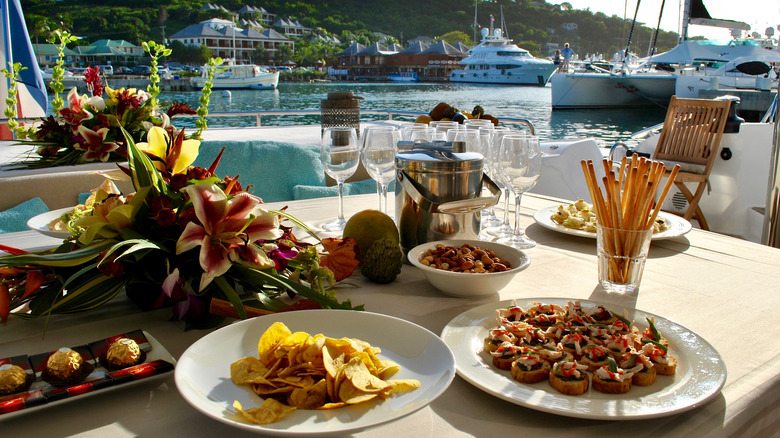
175 154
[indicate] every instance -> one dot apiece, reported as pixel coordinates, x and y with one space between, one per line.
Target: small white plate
203 372
700 374
41 223
677 225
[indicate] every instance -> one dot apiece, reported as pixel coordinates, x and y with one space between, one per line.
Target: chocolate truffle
66 367
122 353
13 379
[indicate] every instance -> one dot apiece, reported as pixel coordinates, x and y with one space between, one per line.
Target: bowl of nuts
468 268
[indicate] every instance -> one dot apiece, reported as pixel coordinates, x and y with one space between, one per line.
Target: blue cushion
272 168
15 218
83 197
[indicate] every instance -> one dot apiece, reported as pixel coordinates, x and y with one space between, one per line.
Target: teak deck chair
691 137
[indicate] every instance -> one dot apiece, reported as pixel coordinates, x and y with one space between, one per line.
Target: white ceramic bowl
463 284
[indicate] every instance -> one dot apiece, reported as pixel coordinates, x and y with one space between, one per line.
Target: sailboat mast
686 17
654 40
631 33
475 20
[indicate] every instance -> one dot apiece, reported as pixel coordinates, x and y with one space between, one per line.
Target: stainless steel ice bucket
437 194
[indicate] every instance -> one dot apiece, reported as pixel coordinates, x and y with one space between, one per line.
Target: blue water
532 103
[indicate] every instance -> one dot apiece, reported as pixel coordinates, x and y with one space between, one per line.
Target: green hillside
532 24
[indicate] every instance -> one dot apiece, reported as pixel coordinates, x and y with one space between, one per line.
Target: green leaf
64 259
297 222
231 295
135 245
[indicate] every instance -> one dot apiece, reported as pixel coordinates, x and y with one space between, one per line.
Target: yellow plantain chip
247 370
402 386
361 378
387 369
311 397
271 411
332 405
351 395
270 339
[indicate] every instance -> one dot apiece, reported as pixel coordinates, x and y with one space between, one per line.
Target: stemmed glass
503 229
340 156
378 156
520 164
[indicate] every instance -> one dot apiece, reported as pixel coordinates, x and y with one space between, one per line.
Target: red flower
92 79
95 144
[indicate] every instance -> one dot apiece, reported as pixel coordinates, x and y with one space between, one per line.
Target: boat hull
602 90
262 82
523 75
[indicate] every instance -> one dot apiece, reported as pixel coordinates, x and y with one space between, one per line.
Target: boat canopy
691 52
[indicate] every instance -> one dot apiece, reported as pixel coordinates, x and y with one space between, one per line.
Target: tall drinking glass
340 156
520 162
378 156
504 229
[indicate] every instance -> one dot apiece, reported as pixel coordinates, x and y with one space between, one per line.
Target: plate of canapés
583 359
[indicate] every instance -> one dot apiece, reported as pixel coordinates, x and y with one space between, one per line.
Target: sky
759 14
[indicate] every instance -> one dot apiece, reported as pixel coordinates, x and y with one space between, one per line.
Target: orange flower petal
341 257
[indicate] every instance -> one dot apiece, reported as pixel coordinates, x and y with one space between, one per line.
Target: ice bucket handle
464 206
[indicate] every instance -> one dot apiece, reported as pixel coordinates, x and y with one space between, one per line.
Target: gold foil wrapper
123 352
64 363
12 378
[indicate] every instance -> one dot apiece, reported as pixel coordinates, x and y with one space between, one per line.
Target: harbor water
531 103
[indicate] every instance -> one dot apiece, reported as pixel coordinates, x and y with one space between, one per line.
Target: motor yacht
241 76
497 60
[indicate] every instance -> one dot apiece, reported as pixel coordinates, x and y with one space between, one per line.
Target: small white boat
241 76
404 76
497 60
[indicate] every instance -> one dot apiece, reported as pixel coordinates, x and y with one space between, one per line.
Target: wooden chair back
692 131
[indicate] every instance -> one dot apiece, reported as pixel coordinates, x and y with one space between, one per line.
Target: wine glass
340 156
503 229
520 164
378 156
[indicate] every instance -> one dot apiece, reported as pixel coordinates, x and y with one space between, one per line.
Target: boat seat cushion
15 218
272 168
684 167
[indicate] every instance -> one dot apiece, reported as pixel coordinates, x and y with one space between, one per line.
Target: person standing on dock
567 53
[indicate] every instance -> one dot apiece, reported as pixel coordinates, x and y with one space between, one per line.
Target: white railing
389 114
258 115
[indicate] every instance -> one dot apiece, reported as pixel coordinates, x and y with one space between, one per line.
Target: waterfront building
109 52
47 54
257 13
226 40
291 28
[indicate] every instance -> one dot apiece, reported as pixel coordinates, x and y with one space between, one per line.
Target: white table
703 281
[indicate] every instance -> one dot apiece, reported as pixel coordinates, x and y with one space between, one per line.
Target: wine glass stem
379 195
506 206
383 202
518 230
341 201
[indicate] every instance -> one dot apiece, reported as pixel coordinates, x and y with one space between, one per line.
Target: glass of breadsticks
625 211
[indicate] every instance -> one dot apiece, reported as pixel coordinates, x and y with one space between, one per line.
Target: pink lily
230 228
95 144
76 111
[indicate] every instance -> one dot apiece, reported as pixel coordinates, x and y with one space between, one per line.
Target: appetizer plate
677 225
203 372
41 222
700 374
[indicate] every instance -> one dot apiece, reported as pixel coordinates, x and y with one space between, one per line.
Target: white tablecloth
722 288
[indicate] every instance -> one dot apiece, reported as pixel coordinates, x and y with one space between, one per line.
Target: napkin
15 218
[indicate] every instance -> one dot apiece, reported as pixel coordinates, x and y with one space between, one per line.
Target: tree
283 53
457 37
185 54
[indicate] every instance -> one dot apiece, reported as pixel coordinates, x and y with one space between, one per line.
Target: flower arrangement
183 237
89 128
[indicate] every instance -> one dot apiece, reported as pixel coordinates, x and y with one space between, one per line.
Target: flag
15 46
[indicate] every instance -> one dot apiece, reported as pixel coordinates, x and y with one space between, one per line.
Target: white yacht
497 60
241 76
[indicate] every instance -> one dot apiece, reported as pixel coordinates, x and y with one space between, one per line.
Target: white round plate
677 225
203 372
700 374
41 223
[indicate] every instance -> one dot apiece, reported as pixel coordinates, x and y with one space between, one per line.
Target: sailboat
15 47
658 77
